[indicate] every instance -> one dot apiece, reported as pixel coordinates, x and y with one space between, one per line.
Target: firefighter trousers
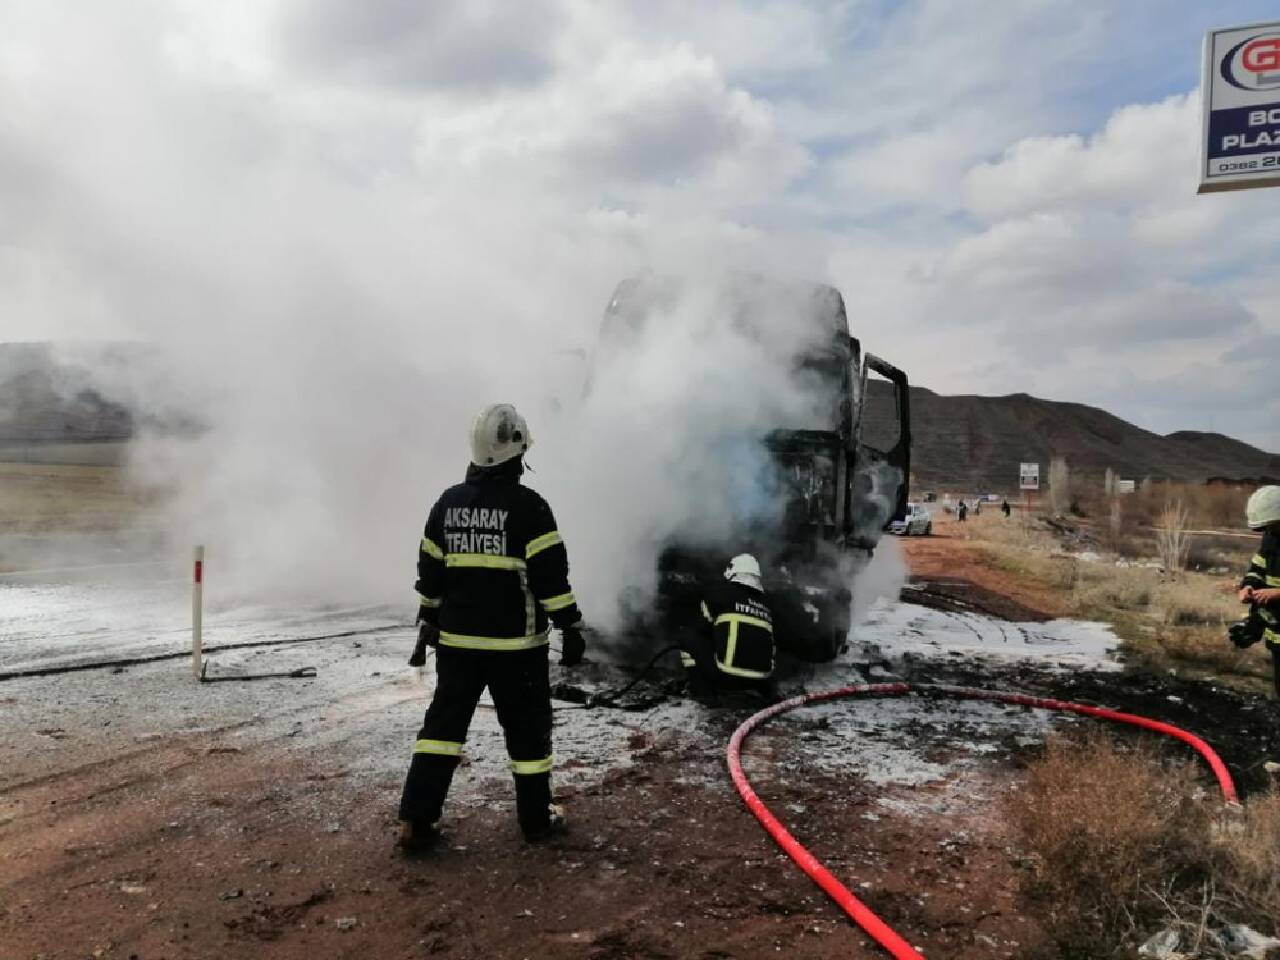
518 682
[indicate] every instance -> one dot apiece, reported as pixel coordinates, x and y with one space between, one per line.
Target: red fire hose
881 932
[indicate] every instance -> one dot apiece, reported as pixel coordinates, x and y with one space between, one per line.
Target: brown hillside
978 442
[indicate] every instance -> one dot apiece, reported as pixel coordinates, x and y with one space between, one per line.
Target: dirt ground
202 842
947 562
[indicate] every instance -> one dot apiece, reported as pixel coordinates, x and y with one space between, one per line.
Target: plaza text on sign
1240 87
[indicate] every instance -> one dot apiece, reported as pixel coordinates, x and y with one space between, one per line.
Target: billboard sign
1029 476
1240 93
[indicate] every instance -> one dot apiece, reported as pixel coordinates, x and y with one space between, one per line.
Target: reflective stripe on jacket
1264 572
742 630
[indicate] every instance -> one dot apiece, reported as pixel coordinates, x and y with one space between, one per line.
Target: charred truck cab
832 493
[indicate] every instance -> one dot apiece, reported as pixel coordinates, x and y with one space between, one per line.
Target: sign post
1240 94
1028 480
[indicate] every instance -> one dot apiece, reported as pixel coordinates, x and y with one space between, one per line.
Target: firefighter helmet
744 568
1264 507
498 434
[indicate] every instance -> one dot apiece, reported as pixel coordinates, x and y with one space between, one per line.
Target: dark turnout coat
493 572
1264 573
741 631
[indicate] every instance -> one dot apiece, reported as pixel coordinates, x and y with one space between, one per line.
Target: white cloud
470 44
352 230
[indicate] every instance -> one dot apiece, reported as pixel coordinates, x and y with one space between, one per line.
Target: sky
1004 191
352 223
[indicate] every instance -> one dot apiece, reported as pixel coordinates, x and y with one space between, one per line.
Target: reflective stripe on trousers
529 767
440 748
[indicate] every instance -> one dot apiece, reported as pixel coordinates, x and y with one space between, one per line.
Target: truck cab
832 495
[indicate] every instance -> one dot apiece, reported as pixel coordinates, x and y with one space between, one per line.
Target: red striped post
197 611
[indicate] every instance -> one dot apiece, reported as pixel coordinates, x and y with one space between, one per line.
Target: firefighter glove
572 646
1245 633
428 636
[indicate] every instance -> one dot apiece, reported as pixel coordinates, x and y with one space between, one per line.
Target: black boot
417 837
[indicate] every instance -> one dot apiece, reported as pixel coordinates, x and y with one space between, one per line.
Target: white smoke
334 276
668 441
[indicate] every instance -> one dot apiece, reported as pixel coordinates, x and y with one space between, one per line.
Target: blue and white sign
1240 87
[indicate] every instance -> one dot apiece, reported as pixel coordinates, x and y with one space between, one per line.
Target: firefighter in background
736 648
1260 587
493 575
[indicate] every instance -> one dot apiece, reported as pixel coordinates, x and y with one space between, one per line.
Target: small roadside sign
1240 96
1029 476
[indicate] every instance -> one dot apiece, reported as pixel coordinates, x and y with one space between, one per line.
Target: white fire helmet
744 568
1264 508
498 434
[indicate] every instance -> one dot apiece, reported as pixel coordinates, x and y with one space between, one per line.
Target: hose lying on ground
881 932
54 671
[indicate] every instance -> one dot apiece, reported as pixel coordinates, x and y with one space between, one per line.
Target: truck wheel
928 529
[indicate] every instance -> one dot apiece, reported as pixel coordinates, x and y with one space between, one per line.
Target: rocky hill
978 442
48 395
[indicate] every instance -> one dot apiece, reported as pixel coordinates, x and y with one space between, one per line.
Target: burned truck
831 492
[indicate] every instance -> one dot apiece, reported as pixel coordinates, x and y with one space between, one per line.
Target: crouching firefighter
1260 588
735 650
493 574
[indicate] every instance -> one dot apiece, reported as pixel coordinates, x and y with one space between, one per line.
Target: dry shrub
1106 826
1208 507
1208 647
1105 587
1172 542
1196 601
1249 860
1125 845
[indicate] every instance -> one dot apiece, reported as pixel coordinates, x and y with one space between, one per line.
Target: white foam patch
897 628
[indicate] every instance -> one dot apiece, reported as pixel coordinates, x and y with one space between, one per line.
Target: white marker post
197 611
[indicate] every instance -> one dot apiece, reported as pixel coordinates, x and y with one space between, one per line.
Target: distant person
977 507
493 575
1260 587
962 511
1005 508
735 651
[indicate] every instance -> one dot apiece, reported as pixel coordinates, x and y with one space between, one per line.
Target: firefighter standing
736 649
1260 587
493 574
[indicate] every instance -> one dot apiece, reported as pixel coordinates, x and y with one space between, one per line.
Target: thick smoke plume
333 275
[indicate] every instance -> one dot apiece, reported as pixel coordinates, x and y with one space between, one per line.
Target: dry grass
1165 621
1101 588
1208 508
37 498
1124 845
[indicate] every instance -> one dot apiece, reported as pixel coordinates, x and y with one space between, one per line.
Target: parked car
916 521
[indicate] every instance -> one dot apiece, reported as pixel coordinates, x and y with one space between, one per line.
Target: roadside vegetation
1124 846
45 497
1167 588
